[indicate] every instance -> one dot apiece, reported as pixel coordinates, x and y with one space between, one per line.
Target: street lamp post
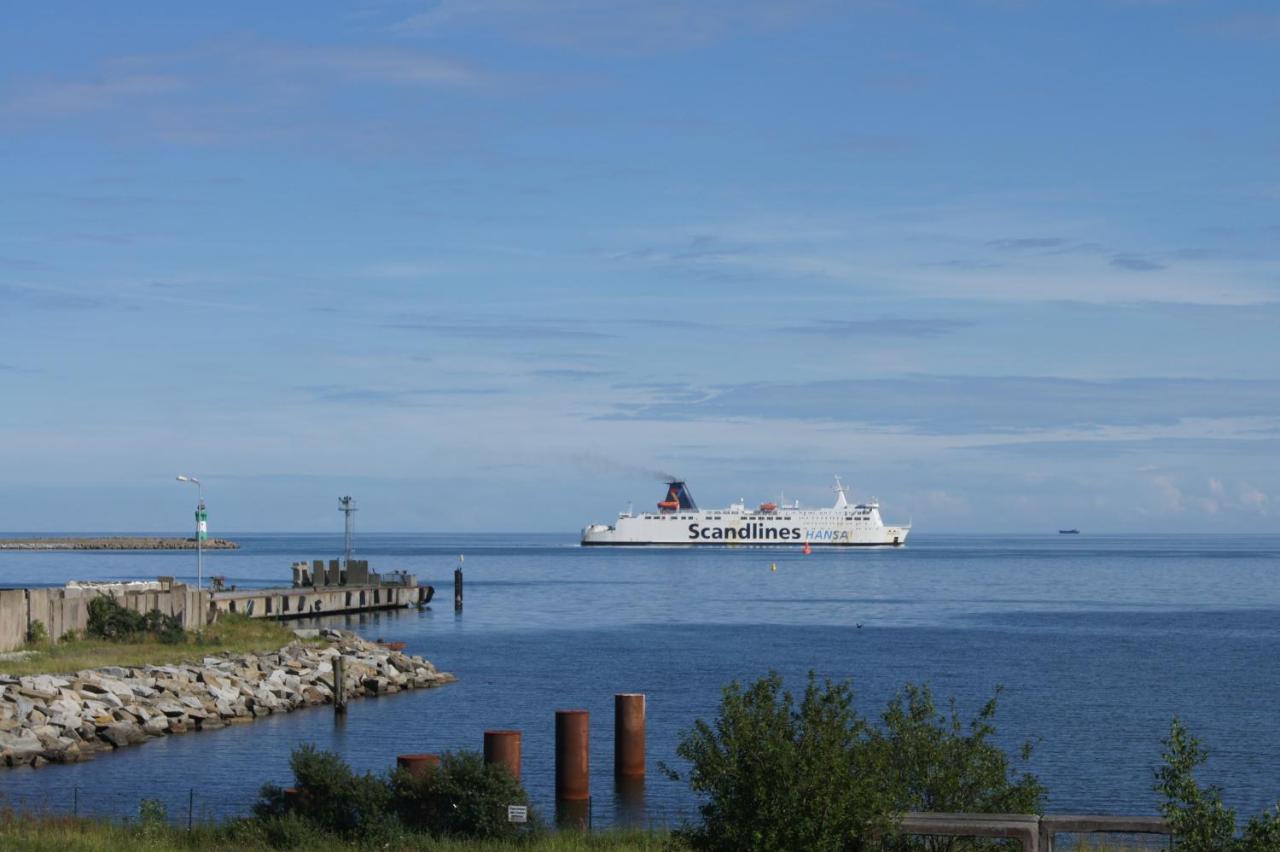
202 529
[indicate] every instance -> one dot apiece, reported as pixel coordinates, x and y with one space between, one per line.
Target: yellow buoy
774 567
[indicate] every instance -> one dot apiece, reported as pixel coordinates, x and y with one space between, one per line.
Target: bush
777 775
1196 814
935 762
108 619
462 797
36 632
166 628
780 776
330 795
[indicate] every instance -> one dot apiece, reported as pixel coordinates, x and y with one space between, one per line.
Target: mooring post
339 686
503 747
628 734
418 765
573 769
457 586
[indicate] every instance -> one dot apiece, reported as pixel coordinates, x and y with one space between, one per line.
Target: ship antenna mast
347 506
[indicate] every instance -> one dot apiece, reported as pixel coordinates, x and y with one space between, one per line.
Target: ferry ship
679 521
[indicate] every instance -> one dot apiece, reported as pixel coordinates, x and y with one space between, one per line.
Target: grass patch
233 632
68 834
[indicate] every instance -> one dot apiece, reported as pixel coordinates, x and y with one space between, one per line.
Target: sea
1095 643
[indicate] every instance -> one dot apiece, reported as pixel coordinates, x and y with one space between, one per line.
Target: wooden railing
1034 833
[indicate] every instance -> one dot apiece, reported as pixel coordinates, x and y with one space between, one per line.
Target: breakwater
66 718
114 543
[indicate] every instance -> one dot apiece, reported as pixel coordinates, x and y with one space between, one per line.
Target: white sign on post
517 813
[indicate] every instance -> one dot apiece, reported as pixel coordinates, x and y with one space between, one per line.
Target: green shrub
108 619
775 773
935 762
330 795
36 633
462 797
166 628
69 636
1196 814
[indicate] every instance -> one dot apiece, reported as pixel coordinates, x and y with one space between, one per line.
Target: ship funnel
678 492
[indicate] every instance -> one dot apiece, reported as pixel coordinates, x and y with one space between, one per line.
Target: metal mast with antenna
347 506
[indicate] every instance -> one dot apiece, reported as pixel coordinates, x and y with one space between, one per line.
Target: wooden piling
457 589
339 685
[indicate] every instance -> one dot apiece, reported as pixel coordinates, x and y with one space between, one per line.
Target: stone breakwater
114 543
59 719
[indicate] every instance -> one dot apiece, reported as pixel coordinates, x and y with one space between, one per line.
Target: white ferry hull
844 525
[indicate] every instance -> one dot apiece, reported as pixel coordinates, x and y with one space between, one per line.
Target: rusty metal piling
503 748
573 762
418 765
628 734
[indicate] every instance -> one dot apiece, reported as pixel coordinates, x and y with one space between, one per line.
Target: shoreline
50 718
113 543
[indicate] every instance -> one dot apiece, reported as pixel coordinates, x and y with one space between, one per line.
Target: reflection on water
1097 641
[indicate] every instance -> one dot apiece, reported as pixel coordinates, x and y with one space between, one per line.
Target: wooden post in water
457 586
339 686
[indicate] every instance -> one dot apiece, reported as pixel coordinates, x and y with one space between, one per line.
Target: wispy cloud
16 296
1135 263
1026 243
61 98
960 405
569 373
883 327
499 330
392 397
630 26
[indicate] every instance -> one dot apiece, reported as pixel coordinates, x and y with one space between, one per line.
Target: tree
1196 814
935 762
777 775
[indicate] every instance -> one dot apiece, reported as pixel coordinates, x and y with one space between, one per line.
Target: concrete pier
304 601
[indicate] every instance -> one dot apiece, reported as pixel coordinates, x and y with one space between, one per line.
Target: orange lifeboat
669 505
768 507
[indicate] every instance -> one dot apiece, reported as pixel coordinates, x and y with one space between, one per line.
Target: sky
500 265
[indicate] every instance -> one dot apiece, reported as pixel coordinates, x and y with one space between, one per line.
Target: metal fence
191 806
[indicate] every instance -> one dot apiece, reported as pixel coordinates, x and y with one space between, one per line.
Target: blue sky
1008 266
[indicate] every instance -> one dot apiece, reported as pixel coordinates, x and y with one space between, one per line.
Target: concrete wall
61 610
13 618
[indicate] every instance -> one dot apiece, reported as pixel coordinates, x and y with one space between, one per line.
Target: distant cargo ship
679 521
1068 532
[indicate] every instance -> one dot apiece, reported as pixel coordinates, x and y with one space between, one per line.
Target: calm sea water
1098 642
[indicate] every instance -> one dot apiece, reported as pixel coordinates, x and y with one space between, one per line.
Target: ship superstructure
678 521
